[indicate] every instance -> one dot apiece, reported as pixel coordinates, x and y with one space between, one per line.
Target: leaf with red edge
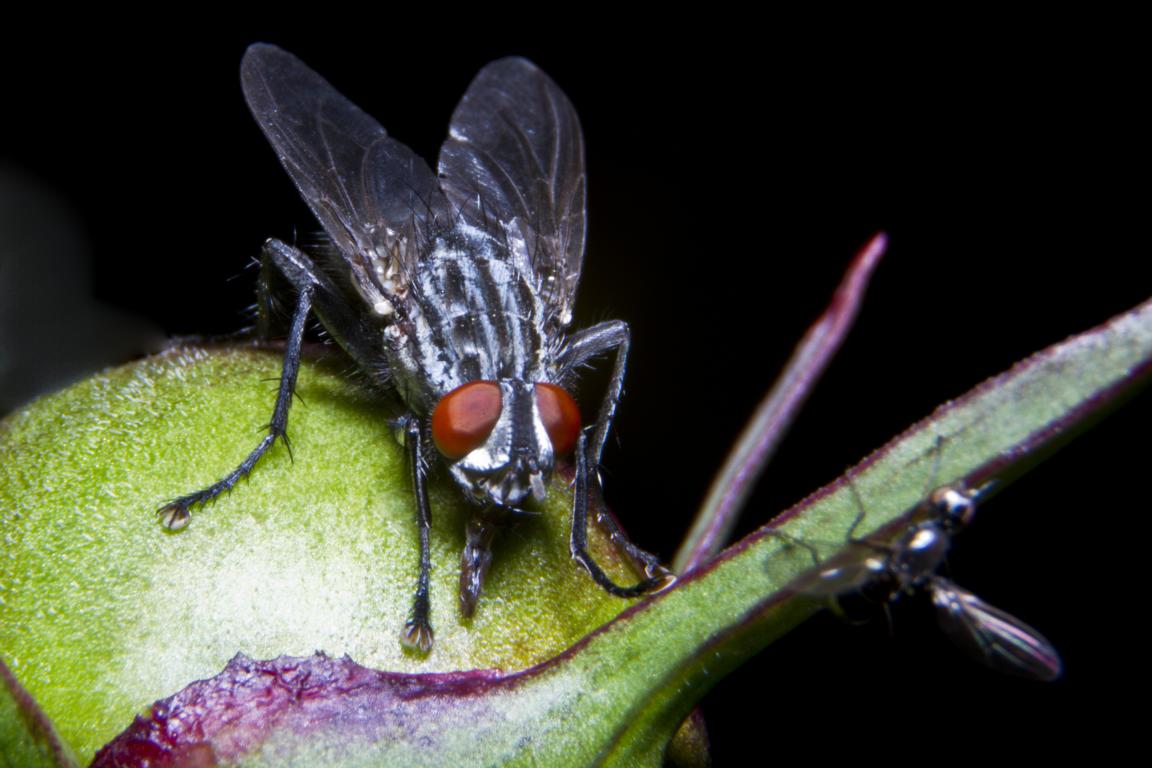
27 737
617 695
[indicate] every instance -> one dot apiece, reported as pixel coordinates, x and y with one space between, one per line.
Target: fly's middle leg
297 268
417 634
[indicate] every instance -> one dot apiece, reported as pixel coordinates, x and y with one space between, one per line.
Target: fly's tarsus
417 635
174 515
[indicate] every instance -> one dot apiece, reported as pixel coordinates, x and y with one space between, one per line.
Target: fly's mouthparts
536 479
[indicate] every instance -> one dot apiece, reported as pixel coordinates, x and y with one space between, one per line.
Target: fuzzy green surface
98 606
26 738
18 743
617 699
102 611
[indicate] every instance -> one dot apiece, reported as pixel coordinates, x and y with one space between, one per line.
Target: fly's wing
513 165
372 194
991 636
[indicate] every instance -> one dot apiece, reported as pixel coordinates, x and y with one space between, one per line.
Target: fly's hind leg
298 269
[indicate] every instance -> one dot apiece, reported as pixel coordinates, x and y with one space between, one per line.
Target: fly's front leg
659 577
417 633
613 335
295 266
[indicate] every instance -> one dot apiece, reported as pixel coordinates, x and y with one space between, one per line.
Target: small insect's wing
855 567
993 637
371 193
513 165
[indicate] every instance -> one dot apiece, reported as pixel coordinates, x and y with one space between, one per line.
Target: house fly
986 633
454 291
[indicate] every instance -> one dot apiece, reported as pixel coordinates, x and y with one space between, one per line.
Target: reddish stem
775 413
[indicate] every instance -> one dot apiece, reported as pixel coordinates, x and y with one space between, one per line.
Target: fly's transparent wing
371 193
513 165
991 636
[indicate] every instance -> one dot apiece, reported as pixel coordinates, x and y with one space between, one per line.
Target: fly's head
502 438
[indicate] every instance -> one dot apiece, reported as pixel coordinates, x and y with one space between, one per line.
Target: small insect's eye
464 418
560 415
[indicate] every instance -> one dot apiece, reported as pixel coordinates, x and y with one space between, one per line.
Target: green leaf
614 698
314 552
27 738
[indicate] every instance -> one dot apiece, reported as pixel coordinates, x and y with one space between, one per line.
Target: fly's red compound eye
560 415
464 417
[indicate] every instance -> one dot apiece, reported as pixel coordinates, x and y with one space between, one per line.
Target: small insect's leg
937 454
417 634
601 338
861 513
793 541
175 514
658 576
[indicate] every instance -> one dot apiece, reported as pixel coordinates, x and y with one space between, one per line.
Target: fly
453 291
986 633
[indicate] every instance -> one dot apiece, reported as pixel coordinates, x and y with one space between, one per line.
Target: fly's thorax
502 438
471 313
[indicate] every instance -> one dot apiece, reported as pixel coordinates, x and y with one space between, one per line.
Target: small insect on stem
452 291
887 571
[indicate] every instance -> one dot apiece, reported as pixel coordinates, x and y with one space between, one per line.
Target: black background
734 168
